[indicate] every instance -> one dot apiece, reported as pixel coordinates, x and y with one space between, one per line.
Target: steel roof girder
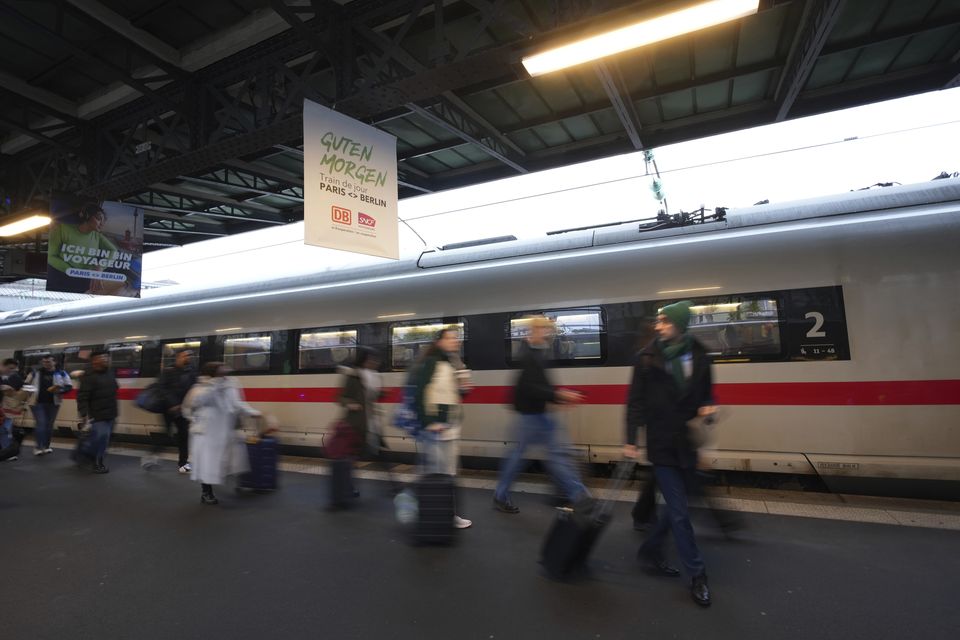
812 34
609 74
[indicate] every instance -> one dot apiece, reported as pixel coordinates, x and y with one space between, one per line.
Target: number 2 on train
817 318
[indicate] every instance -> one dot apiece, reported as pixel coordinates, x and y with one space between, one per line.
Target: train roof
459 256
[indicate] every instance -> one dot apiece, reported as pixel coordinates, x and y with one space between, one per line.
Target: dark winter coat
353 392
656 402
176 382
533 389
97 397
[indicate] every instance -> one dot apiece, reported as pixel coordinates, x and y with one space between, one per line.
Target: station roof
193 110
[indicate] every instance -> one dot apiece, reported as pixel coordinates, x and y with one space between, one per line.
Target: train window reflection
325 349
749 327
247 353
76 358
31 359
579 335
409 341
170 350
125 359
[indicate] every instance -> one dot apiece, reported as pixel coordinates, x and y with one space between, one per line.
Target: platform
133 554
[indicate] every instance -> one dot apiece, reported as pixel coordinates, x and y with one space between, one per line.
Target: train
833 324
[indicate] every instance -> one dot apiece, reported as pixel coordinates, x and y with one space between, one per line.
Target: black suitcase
436 506
575 532
263 454
341 483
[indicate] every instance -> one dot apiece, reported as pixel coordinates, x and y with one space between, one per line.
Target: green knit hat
679 314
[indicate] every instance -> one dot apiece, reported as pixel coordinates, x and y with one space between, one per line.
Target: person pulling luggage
213 405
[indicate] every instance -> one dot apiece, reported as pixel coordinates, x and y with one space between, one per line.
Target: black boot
99 467
207 497
700 591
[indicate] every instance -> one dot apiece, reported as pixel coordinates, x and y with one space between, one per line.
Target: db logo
341 215
366 221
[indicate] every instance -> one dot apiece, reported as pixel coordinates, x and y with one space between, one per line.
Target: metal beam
62 107
620 99
230 185
143 40
205 196
271 173
819 18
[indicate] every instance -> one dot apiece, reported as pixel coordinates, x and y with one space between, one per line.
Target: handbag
152 399
343 441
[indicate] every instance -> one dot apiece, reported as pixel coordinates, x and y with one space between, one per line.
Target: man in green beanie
671 385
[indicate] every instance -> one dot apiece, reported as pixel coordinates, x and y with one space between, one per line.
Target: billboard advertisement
95 248
350 184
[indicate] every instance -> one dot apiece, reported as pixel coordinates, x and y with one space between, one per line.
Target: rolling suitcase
436 506
574 532
12 451
263 454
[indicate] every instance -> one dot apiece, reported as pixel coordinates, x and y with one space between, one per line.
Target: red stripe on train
891 392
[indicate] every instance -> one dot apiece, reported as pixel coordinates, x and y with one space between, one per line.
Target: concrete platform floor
133 554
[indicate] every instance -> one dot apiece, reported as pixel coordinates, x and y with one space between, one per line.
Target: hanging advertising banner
95 248
350 184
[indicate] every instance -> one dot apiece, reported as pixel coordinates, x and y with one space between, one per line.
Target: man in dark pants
531 394
176 382
97 404
671 385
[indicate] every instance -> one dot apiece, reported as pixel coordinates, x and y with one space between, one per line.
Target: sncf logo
341 215
366 221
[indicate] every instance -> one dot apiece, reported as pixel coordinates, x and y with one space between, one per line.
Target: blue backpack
406 417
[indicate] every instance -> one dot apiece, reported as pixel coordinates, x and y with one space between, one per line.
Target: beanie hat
678 313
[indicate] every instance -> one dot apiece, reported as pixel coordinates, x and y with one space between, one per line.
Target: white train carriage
834 324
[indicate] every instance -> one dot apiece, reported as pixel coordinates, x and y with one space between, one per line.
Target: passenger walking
671 385
176 381
359 395
212 406
532 392
441 381
11 384
97 405
51 383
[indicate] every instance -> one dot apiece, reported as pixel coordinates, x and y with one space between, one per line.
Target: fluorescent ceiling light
396 315
59 344
228 329
688 290
134 337
699 16
23 225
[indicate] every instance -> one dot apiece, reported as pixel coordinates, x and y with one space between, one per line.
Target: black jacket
353 392
533 390
656 402
97 397
176 382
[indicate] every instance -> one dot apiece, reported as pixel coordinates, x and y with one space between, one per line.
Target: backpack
152 399
406 417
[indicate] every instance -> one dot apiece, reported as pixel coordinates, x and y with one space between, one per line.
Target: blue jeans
540 428
6 432
102 429
674 483
44 415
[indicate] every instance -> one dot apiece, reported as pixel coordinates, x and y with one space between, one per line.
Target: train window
737 326
170 350
77 358
327 348
125 359
247 353
409 341
579 335
31 359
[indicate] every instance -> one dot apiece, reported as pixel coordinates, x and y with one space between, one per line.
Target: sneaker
185 468
48 450
208 498
506 506
462 523
38 452
148 462
100 468
11 459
